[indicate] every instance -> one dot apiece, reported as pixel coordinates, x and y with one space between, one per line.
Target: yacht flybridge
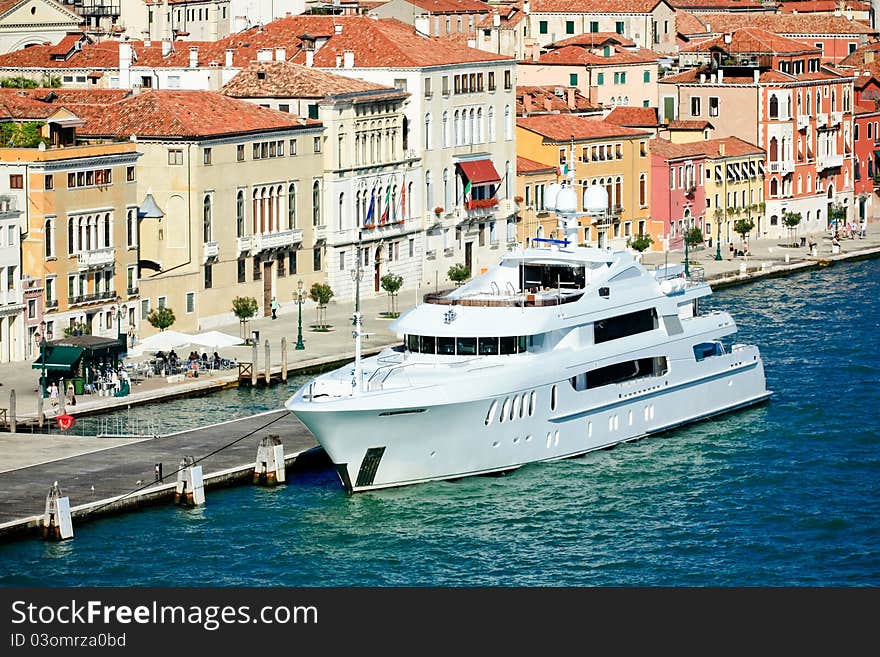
556 351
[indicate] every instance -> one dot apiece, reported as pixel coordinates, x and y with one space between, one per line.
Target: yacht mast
357 274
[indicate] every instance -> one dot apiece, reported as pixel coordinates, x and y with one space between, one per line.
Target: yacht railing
528 300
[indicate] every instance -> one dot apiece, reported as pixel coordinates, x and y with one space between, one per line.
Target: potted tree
694 237
161 318
640 242
391 283
458 273
743 227
791 220
321 293
244 308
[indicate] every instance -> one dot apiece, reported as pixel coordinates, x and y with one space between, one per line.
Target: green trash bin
78 384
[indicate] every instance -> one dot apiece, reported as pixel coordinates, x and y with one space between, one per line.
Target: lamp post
687 271
43 356
299 326
118 312
718 237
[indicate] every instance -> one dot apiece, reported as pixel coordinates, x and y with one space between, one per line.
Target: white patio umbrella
215 339
163 341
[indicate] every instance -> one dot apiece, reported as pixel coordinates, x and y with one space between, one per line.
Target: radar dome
596 199
550 195
566 200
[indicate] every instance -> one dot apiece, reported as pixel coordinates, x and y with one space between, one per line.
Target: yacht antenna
356 275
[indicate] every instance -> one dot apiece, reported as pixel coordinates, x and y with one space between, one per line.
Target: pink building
677 192
866 141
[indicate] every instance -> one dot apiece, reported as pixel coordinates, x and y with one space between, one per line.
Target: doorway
377 265
267 289
469 256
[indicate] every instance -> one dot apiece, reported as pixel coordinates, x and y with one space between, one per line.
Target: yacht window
427 344
625 325
466 346
707 349
524 401
553 398
532 401
412 343
488 346
521 340
620 372
630 272
491 414
446 346
505 409
514 408
508 344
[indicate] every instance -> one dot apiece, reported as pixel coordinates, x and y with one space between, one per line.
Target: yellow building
734 185
611 156
234 203
532 181
79 229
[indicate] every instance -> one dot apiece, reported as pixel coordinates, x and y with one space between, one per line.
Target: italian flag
384 218
467 191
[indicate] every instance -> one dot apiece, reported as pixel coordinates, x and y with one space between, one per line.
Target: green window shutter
600 78
569 27
647 76
572 79
594 26
542 27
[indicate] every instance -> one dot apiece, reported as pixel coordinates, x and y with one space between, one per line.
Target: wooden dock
121 477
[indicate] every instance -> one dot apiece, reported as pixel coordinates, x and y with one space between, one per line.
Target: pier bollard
12 411
269 469
254 367
41 417
190 489
268 365
57 524
62 398
284 360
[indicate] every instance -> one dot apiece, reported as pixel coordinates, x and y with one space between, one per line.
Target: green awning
59 358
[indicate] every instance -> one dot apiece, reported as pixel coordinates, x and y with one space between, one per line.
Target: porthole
504 410
523 402
553 398
529 438
549 439
533 397
556 439
495 444
589 429
491 414
514 408
515 441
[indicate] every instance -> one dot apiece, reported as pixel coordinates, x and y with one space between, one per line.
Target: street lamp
43 356
299 326
718 236
118 311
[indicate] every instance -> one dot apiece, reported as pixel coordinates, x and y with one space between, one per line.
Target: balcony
320 233
280 240
132 291
90 298
821 120
836 118
803 120
782 166
242 245
829 161
210 250
52 304
431 255
96 258
12 296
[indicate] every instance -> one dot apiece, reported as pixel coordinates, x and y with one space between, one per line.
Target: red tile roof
594 40
828 6
749 40
689 24
595 6
451 6
578 56
525 166
689 125
733 147
718 5
692 76
785 24
173 114
634 117
860 56
286 80
564 127
17 104
535 99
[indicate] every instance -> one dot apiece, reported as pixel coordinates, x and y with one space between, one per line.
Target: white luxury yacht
554 352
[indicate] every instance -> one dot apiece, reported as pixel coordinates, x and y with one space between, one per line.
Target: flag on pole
467 192
369 217
403 199
384 217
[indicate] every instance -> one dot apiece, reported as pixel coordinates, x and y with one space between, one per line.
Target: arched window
799 184
255 212
643 190
49 237
358 215
71 236
508 123
478 138
491 126
341 215
809 183
774 106
316 203
239 214
131 228
774 150
291 206
428 131
774 187
447 189
107 232
206 219
429 191
445 128
472 131
409 200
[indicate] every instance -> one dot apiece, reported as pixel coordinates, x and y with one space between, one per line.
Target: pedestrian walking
274 307
53 394
863 229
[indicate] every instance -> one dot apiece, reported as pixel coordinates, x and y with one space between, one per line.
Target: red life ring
65 421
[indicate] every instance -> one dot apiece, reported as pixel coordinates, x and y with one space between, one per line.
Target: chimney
147 42
720 76
264 55
849 13
337 28
869 56
166 47
280 54
338 60
496 20
728 38
548 104
310 58
528 105
194 57
721 149
837 12
229 54
423 25
471 43
527 7
124 65
702 78
239 23
348 58
570 96
756 75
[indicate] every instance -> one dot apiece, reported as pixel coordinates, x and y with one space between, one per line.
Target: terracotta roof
689 125
692 76
829 6
719 5
283 79
784 24
564 127
19 104
857 58
687 23
866 110
157 113
749 40
593 40
451 6
537 99
634 117
595 6
511 15
526 166
579 56
733 147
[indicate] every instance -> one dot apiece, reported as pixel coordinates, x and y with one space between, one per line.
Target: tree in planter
321 293
694 237
640 242
791 220
837 215
244 308
392 283
743 227
458 273
161 318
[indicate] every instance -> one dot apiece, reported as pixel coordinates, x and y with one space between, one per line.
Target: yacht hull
407 443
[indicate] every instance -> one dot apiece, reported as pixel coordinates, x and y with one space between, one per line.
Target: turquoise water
787 493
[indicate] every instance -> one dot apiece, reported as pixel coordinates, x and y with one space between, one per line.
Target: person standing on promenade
53 394
274 307
863 228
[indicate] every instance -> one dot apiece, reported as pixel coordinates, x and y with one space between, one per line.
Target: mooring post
12 411
268 364
57 524
190 490
269 469
40 415
254 366
62 398
284 360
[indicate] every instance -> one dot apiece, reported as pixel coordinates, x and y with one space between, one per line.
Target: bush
640 242
244 307
161 318
458 273
743 226
392 283
694 237
321 293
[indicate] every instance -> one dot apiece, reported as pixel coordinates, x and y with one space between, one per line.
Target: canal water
785 494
